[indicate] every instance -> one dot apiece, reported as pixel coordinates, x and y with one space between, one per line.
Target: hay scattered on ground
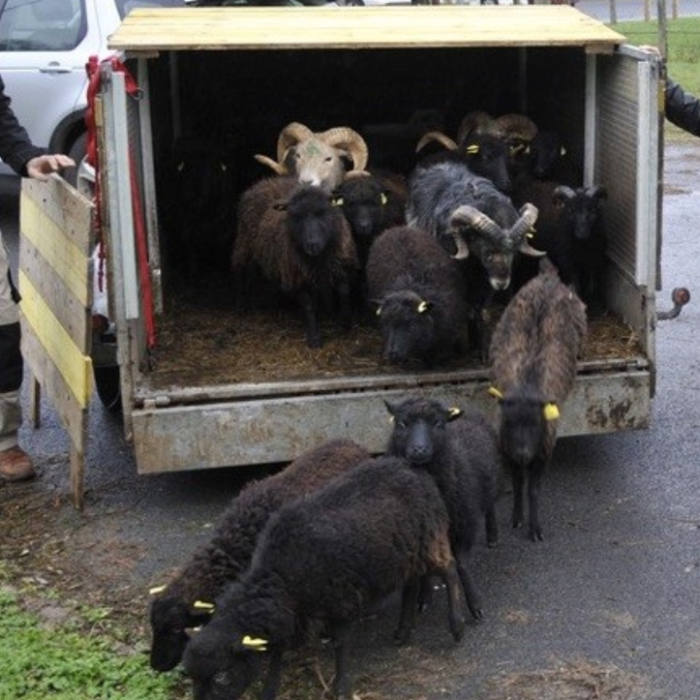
571 680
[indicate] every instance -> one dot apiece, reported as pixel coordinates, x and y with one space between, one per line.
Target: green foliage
67 662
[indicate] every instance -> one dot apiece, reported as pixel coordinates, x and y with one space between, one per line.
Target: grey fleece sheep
326 558
420 295
300 241
534 351
460 451
186 601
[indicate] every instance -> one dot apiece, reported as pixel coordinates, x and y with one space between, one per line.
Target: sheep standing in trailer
460 451
468 214
327 558
533 356
299 240
420 296
318 159
187 601
570 230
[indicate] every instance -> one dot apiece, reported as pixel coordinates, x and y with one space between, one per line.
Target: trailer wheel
107 385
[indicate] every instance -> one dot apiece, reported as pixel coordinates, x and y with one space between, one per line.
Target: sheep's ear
551 411
453 412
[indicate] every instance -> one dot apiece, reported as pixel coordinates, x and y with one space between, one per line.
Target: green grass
82 658
683 53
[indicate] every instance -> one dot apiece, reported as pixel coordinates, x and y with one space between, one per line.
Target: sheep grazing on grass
326 559
421 297
187 600
300 241
460 451
533 356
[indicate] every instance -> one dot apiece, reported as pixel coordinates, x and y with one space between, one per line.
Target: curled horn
517 126
562 193
528 216
477 122
279 168
471 217
597 191
348 139
438 136
289 136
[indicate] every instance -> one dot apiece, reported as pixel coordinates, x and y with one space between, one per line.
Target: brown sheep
533 356
300 241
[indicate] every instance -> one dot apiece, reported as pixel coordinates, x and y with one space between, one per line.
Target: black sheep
187 600
327 558
534 351
300 241
460 451
570 230
420 294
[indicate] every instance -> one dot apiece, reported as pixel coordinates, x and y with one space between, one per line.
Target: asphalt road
609 600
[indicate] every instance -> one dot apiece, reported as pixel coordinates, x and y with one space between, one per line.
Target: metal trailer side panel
277 429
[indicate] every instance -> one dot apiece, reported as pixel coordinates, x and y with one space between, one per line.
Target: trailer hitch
680 296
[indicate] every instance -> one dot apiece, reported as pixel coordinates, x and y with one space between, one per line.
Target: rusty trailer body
249 71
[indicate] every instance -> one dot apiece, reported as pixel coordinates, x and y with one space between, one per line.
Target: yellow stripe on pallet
66 259
75 368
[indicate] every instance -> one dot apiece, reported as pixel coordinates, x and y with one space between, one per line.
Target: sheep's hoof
477 614
536 535
401 636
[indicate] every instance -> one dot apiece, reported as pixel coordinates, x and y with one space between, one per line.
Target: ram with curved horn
480 145
478 224
318 158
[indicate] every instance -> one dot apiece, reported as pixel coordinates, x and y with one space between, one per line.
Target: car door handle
54 67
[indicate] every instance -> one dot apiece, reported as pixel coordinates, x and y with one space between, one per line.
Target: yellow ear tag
562 152
495 393
156 590
337 201
551 412
379 311
472 149
255 643
383 198
454 411
201 605
422 307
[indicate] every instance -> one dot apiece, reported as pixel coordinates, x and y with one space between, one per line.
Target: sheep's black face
169 620
489 157
497 262
220 669
312 221
523 427
363 203
582 212
420 429
407 326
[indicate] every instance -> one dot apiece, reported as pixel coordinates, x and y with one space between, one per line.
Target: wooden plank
55 388
63 205
219 28
63 242
68 358
72 313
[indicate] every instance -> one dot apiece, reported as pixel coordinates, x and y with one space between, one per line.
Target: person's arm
682 108
17 150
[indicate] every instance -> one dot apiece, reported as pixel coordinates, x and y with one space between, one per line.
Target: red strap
93 68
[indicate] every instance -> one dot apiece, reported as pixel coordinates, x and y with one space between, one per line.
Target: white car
44 46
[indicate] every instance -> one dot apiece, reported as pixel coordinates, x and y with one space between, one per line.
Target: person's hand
41 167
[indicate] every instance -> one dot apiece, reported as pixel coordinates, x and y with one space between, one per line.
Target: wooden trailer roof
406 26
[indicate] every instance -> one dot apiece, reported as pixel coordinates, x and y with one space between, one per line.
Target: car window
42 25
126 6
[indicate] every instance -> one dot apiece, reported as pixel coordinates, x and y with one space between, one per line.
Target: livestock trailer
202 90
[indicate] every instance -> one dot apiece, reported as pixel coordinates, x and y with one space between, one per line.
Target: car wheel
107 384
